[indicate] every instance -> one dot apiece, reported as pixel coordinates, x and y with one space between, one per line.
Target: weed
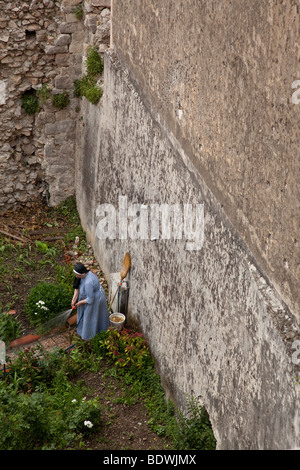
78 12
194 431
30 103
60 100
64 274
43 93
94 62
87 85
93 94
10 327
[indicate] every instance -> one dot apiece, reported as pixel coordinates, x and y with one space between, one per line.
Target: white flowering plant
86 415
50 411
40 305
46 300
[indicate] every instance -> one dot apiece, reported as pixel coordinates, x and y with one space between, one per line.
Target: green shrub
60 100
46 300
80 86
41 421
194 428
87 85
93 94
94 62
126 349
30 103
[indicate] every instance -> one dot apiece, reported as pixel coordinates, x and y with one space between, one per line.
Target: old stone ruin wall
42 50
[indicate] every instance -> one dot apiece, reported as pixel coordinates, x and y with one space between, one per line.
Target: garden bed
22 266
34 243
37 245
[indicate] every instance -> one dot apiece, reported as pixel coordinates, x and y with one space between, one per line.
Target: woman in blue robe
90 300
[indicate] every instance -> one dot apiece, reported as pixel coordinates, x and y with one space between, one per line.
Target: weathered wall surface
196 110
217 329
221 74
43 43
186 118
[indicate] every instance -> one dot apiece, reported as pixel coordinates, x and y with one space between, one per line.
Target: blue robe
93 316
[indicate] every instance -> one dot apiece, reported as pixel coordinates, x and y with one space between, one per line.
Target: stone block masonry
42 44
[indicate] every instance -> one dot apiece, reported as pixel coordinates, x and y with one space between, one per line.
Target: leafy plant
127 349
60 100
81 86
93 94
78 12
43 93
40 408
30 103
10 327
195 431
46 300
87 85
64 273
94 62
41 246
6 247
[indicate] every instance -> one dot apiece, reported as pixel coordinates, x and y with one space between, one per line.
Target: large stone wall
43 43
221 75
218 327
